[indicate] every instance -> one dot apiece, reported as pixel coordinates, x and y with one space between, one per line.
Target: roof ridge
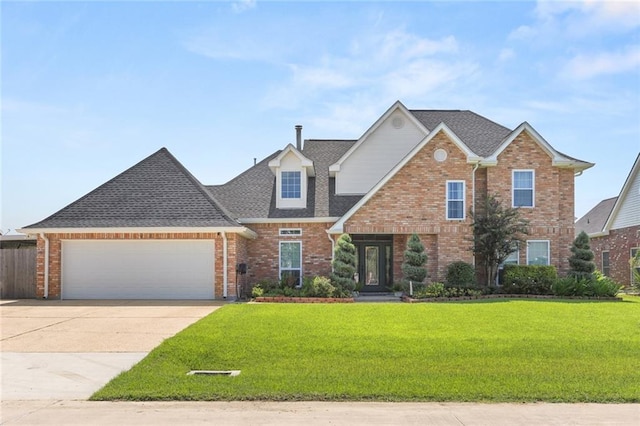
208 195
73 203
266 159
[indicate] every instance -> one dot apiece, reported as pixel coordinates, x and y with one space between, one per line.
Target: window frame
517 258
283 181
281 269
532 189
548 251
290 232
606 270
462 200
632 253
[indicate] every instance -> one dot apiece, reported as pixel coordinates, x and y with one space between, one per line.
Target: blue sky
89 89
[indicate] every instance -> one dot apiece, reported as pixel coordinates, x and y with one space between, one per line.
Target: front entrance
374 262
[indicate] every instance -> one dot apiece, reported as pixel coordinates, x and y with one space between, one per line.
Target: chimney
298 137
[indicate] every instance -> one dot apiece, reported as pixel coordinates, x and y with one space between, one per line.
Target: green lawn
507 350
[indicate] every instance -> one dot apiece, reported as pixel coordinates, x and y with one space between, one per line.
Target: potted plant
398 289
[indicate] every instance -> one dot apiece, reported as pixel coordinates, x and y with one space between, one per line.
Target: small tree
581 261
344 265
497 230
415 258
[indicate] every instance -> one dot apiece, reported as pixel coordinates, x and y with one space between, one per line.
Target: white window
291 261
291 185
537 252
606 267
455 199
523 184
513 259
285 232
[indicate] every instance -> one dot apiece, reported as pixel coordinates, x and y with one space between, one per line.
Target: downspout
473 200
333 247
46 265
225 284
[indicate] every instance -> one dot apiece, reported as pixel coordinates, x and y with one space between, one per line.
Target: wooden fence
18 273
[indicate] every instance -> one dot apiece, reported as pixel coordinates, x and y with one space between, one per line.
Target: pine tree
415 258
581 261
344 265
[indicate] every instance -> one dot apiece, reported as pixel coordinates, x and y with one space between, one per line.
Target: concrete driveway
54 349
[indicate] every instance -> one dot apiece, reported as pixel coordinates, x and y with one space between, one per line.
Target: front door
373 265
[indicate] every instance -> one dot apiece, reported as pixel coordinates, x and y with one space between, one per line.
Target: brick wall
414 200
553 215
235 243
263 252
618 243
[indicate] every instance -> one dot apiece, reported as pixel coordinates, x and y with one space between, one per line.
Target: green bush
602 286
529 279
460 274
257 291
569 286
268 285
597 286
344 266
435 290
318 287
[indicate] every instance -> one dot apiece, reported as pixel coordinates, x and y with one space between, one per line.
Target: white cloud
243 5
506 54
585 66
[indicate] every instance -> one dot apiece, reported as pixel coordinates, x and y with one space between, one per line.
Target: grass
499 351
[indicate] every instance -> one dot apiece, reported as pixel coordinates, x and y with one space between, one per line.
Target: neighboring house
614 229
155 231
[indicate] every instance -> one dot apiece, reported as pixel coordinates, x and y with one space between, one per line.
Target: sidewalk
314 413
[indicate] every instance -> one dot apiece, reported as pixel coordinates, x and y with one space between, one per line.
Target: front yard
506 350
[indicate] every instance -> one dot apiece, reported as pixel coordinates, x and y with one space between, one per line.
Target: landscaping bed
286 299
409 299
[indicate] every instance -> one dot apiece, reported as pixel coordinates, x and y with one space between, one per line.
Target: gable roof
250 196
157 192
338 226
290 149
625 193
593 222
557 158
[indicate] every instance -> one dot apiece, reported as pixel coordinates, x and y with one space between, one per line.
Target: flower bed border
409 299
289 299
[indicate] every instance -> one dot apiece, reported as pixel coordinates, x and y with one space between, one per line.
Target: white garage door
147 269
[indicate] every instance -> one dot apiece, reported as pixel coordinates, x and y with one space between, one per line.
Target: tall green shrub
529 279
460 274
344 266
581 261
415 258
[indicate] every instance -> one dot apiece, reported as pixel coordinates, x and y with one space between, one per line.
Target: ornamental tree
581 261
415 258
497 231
344 265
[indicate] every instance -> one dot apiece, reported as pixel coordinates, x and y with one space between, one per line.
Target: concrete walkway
314 413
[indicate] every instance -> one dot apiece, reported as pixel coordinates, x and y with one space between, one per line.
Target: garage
138 269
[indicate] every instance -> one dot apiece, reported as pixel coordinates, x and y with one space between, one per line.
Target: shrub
267 285
257 291
529 279
581 261
569 286
435 290
460 274
414 260
344 266
318 287
602 286
597 286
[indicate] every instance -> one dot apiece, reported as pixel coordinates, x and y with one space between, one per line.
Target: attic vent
397 122
440 155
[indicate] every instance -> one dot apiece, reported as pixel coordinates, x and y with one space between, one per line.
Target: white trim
280 243
260 220
472 158
333 168
557 158
548 250
623 195
608 260
225 276
244 231
274 164
631 249
46 267
533 188
295 232
464 196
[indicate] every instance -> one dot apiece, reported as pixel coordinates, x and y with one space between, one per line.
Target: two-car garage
138 269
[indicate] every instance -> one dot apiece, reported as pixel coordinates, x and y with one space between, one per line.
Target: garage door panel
149 269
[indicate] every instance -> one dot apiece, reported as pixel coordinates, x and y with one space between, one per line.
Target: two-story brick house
155 231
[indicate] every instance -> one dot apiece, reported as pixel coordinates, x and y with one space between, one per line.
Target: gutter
46 265
225 288
333 247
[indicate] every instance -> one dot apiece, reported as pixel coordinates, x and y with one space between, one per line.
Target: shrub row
311 287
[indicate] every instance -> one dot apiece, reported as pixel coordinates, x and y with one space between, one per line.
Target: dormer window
291 184
292 171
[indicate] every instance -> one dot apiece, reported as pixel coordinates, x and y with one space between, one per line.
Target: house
155 231
613 226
